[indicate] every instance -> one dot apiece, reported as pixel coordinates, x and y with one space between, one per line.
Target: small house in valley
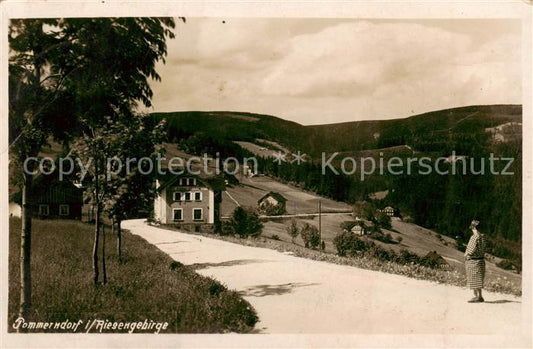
389 211
358 229
187 202
272 204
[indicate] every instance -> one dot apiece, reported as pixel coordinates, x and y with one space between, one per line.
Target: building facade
389 211
185 202
51 198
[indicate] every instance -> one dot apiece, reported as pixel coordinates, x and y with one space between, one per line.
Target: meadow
148 284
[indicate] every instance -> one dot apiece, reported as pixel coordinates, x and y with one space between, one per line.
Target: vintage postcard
266 174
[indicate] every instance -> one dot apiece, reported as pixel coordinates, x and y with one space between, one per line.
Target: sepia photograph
206 177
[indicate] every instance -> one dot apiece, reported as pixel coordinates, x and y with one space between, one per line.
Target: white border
520 9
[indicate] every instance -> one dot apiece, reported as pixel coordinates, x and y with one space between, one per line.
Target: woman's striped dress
475 262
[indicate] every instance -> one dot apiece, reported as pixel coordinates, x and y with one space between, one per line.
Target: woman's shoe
476 300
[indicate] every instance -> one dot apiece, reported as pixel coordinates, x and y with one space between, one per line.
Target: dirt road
297 295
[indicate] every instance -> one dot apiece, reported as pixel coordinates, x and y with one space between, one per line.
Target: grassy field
298 201
143 287
257 149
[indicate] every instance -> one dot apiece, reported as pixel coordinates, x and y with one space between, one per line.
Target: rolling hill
443 203
348 136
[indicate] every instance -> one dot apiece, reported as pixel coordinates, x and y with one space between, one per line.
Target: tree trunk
25 249
119 240
96 273
104 269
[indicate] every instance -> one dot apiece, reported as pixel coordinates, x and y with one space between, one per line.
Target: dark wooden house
54 198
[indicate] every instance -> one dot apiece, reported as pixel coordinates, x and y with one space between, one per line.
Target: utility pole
320 220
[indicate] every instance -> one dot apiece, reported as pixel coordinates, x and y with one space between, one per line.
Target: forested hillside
429 131
446 203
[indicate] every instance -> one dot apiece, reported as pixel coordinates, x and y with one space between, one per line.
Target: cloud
317 71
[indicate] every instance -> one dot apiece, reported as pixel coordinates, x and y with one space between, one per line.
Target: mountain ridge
351 135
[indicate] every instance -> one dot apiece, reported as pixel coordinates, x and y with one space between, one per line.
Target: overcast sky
316 71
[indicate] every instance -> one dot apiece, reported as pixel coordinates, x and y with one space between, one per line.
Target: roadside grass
364 261
147 285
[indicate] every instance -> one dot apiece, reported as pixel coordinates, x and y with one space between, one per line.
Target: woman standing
475 263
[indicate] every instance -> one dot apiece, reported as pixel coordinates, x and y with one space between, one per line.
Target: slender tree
34 87
65 76
293 230
130 188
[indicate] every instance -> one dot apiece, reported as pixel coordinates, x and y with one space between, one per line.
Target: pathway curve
298 295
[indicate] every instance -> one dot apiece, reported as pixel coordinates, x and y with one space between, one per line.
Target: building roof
277 196
47 188
168 179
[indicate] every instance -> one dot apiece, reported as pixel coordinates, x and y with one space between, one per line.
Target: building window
182 181
198 196
64 210
187 196
197 214
44 210
177 196
192 181
177 214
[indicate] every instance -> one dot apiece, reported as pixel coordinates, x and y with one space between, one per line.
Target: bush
275 237
310 235
292 230
245 222
347 244
227 229
215 289
508 264
459 244
385 238
407 257
176 265
399 239
433 260
383 220
344 243
381 253
502 248
363 209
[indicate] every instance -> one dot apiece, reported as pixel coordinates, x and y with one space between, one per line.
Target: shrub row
347 244
365 261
